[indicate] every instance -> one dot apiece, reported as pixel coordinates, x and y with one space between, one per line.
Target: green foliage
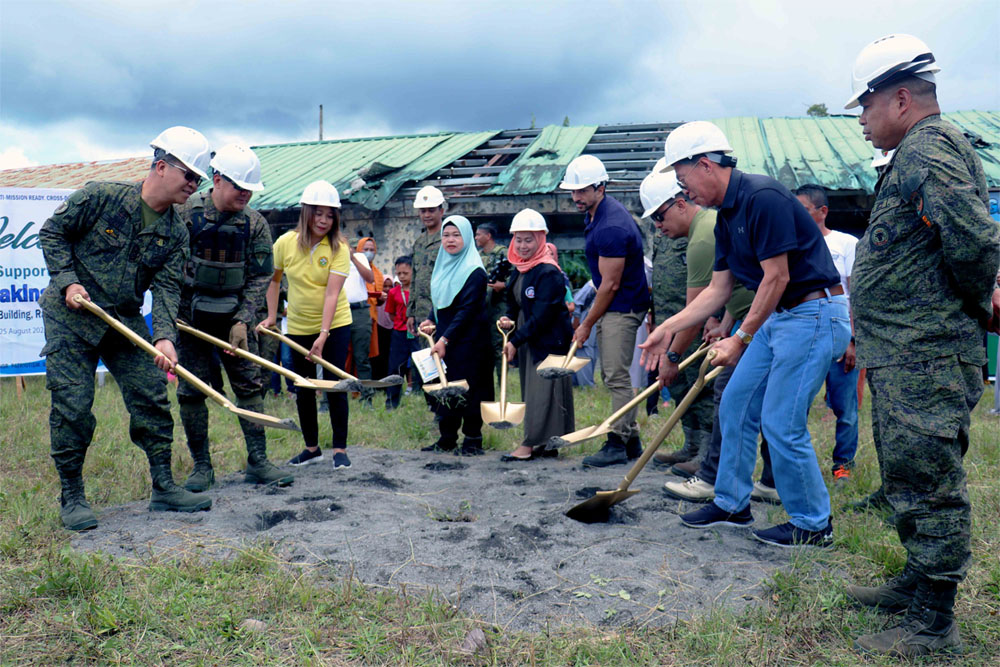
817 110
574 263
565 121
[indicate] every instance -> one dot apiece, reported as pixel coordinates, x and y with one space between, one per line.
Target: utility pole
321 122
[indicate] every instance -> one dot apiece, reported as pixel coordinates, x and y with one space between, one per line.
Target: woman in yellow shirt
315 258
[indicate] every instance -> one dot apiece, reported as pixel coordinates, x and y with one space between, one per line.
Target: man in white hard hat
923 292
615 257
796 326
224 285
108 243
430 205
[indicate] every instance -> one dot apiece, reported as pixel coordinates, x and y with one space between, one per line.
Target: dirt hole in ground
268 520
441 466
379 480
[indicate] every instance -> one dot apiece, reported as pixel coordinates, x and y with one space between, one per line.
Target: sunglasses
233 183
658 217
189 175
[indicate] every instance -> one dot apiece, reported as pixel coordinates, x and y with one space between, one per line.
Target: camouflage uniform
496 300
196 355
669 298
425 252
921 289
96 238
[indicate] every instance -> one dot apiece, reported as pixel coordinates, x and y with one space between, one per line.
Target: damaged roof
829 151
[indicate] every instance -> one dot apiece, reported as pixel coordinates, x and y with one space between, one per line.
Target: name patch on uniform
323 262
880 236
684 259
530 292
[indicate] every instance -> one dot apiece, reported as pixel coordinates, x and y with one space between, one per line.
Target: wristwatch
673 357
744 336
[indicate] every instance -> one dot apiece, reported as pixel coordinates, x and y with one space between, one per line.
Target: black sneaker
305 457
609 455
789 535
341 461
439 447
713 515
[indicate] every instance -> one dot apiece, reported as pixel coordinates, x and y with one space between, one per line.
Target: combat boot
168 497
928 627
612 453
259 469
893 596
633 446
470 447
194 417
74 509
874 502
685 453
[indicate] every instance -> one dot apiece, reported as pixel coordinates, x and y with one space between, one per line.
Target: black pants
335 351
400 347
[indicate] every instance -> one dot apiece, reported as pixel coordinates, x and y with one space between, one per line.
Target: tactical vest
218 255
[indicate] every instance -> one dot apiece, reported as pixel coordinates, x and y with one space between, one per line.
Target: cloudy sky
97 79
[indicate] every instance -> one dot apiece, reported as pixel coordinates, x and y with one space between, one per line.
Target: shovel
557 366
502 415
605 426
305 383
349 382
181 372
595 509
442 389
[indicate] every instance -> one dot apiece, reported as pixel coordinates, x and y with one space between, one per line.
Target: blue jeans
771 390
842 396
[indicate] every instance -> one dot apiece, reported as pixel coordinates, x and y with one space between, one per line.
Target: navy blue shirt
612 232
759 219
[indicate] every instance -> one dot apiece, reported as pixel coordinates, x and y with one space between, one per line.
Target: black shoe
633 448
609 455
470 447
439 447
306 457
713 515
789 535
340 461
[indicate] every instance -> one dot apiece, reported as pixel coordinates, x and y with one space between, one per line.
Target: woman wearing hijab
536 300
458 297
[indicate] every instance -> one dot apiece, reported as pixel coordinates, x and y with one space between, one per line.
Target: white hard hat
187 145
698 137
240 165
528 220
428 197
657 188
889 58
320 193
882 158
583 171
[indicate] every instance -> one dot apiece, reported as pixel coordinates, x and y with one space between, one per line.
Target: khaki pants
616 344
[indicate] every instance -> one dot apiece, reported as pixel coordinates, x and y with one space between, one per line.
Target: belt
836 290
359 304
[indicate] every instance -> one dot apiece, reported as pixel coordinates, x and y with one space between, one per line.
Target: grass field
57 605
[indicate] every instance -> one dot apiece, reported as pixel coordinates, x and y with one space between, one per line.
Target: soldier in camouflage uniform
669 297
224 284
494 256
923 277
109 243
430 204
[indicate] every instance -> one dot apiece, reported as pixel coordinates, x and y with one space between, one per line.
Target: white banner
23 276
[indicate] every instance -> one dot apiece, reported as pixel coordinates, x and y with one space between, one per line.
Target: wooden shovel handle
344 375
145 345
570 354
226 345
503 366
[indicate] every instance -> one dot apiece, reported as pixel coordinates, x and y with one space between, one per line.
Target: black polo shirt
613 232
758 219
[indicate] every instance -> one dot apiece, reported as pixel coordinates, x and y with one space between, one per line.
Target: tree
817 111
566 121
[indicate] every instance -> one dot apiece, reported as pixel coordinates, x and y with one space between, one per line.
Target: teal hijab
451 271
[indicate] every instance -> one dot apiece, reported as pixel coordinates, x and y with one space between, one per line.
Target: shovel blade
265 420
595 509
456 388
514 412
379 384
501 416
577 436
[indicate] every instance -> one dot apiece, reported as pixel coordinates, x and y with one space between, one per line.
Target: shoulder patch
62 207
530 292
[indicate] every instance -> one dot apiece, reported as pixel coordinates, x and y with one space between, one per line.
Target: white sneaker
692 489
765 494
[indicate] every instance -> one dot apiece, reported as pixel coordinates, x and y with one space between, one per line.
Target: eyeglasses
233 183
189 175
658 217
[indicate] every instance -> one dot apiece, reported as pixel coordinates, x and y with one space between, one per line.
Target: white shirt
842 247
355 286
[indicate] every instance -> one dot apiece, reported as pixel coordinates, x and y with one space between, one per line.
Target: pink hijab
542 255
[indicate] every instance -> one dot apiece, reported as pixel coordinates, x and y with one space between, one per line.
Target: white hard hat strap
900 70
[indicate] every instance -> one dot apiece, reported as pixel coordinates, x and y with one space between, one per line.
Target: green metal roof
541 166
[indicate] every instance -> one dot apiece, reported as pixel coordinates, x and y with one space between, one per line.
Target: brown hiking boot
928 627
893 596
686 469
